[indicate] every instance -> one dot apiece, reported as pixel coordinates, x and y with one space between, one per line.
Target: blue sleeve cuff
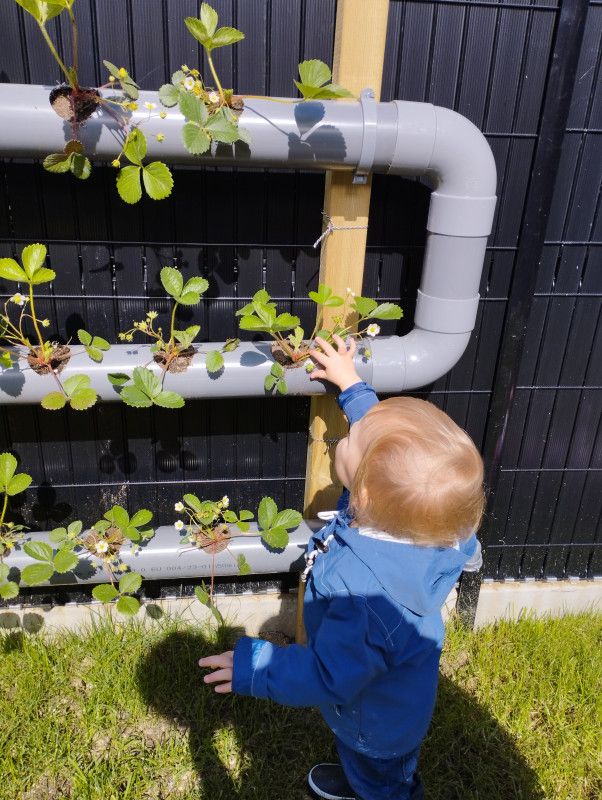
357 400
250 674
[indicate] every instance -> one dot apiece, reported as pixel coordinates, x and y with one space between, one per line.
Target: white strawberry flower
179 506
150 106
373 329
18 299
225 501
213 97
102 547
178 525
189 83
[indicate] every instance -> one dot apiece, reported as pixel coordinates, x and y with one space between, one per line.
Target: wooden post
359 50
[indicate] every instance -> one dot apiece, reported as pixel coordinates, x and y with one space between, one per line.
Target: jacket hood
418 578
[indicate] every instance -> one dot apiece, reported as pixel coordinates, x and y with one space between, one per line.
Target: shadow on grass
247 748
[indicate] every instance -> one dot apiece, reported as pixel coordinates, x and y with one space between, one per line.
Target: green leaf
58 535
105 592
146 381
244 567
80 166
142 517
276 538
364 306
41 551
118 378
76 383
220 128
131 533
84 337
158 180
57 162
135 146
214 361
172 281
229 516
128 184
169 95
193 108
11 271
43 275
177 77
8 466
33 257
269 382
4 570
130 88
230 345
169 400
246 515
5 359
281 387
40 10
196 284
9 590
112 69
277 370
127 605
37 573
130 583
65 560
132 396
53 401
74 528
202 595
193 501
387 311
225 36
332 91
266 513
83 399
198 30
209 18
18 484
118 516
314 72
288 519
285 322
190 299
244 135
196 141
250 323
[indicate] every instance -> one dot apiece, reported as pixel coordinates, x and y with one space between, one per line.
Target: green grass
121 714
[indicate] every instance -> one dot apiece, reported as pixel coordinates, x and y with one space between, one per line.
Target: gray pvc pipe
408 139
163 557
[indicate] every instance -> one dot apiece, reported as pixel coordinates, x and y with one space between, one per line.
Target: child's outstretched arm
337 366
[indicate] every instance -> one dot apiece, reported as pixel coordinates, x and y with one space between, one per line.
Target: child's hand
337 367
223 664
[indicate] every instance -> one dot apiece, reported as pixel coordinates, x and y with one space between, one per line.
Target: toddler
377 576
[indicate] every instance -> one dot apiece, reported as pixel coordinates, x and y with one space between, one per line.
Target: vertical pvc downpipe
451 151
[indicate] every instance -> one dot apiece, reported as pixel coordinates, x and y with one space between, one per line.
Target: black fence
529 387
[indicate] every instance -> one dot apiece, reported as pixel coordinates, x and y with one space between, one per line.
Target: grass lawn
121 714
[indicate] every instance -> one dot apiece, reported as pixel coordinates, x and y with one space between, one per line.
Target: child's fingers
223 688
342 345
320 357
219 676
218 660
352 347
326 347
318 374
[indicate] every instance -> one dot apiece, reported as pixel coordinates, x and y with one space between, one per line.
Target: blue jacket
372 613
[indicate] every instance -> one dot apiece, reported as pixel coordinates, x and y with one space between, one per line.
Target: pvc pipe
163 557
408 139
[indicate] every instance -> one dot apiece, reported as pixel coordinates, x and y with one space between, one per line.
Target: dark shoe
328 781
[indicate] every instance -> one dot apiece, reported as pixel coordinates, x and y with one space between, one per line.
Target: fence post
562 66
359 52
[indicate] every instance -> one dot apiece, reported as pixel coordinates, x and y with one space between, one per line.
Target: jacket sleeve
339 664
357 400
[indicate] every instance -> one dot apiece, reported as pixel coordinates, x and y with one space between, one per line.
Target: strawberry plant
274 525
43 356
11 484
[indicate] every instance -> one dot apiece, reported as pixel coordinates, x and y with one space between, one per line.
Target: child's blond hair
421 476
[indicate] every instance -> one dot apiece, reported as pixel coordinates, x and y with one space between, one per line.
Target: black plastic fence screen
247 229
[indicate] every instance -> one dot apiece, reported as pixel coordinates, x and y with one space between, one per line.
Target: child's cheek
339 462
